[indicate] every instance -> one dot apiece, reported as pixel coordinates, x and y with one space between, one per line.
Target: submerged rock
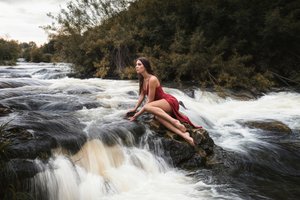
269 125
4 110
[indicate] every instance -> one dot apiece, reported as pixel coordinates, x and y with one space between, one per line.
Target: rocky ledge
177 150
19 144
19 147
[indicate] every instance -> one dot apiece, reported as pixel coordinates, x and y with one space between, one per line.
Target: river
260 164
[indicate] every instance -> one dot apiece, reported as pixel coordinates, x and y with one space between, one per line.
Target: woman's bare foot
180 126
189 139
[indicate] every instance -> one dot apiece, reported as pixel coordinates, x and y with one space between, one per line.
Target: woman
164 106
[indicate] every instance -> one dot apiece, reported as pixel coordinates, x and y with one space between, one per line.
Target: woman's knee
151 109
147 107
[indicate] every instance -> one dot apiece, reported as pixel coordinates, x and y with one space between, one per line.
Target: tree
9 51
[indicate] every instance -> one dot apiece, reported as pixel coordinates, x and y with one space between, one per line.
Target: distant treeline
11 50
229 43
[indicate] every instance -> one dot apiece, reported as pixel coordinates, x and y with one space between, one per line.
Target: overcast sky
20 19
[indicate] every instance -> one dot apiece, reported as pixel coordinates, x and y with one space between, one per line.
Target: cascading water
109 163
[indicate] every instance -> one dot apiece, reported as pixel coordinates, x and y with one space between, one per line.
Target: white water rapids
124 172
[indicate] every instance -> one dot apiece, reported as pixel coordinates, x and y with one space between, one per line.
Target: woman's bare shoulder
153 79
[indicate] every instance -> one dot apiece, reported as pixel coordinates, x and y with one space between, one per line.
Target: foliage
32 53
9 51
128 73
228 43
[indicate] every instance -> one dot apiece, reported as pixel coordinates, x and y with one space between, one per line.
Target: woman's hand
136 115
130 113
133 118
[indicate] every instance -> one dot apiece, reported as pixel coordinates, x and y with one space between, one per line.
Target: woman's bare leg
161 108
171 127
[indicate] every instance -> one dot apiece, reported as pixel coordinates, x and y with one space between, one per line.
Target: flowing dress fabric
160 94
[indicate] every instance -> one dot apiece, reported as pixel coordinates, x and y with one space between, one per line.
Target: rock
181 153
24 145
111 134
4 110
175 148
242 95
31 149
14 176
190 92
20 143
132 93
19 169
269 125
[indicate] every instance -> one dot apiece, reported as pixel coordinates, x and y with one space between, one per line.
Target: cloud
21 19
15 1
28 1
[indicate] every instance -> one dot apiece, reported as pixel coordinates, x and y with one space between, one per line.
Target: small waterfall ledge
23 148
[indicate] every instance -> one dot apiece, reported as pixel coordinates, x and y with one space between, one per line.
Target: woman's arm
140 100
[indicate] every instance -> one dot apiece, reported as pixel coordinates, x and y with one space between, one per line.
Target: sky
21 19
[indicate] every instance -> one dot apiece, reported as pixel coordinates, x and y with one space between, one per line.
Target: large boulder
181 153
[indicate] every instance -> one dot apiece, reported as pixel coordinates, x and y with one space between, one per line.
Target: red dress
160 94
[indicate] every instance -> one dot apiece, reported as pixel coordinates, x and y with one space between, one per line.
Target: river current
259 164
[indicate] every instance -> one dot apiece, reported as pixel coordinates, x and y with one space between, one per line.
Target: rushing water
259 164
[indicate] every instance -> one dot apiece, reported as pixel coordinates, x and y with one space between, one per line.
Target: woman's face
139 67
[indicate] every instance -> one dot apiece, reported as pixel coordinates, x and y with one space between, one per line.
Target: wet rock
4 110
14 176
190 92
20 143
90 105
113 133
83 90
31 149
269 125
219 157
132 93
41 71
42 134
15 83
19 169
12 134
181 153
243 95
20 76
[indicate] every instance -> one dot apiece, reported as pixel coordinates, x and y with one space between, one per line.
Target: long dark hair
148 68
